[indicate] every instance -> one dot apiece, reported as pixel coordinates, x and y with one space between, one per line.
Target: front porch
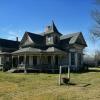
41 62
50 59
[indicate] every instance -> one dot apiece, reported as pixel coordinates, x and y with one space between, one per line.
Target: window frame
72 58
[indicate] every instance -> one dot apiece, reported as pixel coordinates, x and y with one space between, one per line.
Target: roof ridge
69 35
8 40
33 33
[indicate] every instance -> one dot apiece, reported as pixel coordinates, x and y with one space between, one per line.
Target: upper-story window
56 39
79 58
49 39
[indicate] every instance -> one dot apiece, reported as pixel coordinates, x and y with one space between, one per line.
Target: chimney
17 39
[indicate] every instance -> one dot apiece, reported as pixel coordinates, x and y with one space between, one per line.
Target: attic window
48 28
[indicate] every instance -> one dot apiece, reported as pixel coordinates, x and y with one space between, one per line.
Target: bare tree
95 30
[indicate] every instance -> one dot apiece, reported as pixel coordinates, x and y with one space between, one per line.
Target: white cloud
13 33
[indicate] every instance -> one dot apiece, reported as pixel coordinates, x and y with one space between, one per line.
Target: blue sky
18 16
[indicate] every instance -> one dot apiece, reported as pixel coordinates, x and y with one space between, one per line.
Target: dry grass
22 86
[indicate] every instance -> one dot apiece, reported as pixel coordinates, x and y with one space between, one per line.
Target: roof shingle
9 43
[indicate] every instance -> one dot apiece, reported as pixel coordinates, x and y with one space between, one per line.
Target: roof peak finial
53 24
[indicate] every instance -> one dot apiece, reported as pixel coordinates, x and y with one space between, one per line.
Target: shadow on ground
94 70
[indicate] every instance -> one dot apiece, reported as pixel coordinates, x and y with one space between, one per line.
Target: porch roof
36 50
53 49
5 53
27 50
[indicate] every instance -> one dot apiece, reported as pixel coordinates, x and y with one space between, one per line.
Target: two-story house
49 50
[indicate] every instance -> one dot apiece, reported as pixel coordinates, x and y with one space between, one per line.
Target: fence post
68 71
60 75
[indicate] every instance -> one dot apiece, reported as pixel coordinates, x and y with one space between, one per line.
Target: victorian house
48 50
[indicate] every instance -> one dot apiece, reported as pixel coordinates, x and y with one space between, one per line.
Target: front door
34 60
15 62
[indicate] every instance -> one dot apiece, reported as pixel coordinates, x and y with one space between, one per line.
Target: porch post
18 61
40 60
76 62
69 58
12 61
30 60
45 59
25 64
81 59
60 60
53 63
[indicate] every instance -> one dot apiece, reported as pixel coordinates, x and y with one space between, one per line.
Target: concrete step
11 70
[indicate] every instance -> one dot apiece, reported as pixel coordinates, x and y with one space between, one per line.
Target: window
49 59
56 39
27 60
79 58
72 58
49 39
7 59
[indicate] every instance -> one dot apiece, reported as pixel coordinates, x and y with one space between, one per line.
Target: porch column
60 60
12 61
69 58
76 60
81 59
38 60
31 60
53 63
25 64
18 61
53 60
46 60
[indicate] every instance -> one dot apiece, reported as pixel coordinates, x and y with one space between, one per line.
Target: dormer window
49 39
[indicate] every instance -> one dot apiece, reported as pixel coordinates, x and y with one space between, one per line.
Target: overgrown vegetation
35 86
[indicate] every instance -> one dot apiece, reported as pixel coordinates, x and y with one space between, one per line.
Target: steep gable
38 39
80 40
26 40
31 39
74 38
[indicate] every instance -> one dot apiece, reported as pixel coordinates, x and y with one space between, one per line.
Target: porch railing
37 67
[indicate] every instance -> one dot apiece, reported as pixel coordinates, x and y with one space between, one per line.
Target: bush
7 66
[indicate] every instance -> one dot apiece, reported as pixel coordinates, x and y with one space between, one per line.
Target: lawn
39 86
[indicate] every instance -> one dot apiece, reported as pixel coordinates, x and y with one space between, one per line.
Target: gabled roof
69 36
73 38
38 39
52 29
4 43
